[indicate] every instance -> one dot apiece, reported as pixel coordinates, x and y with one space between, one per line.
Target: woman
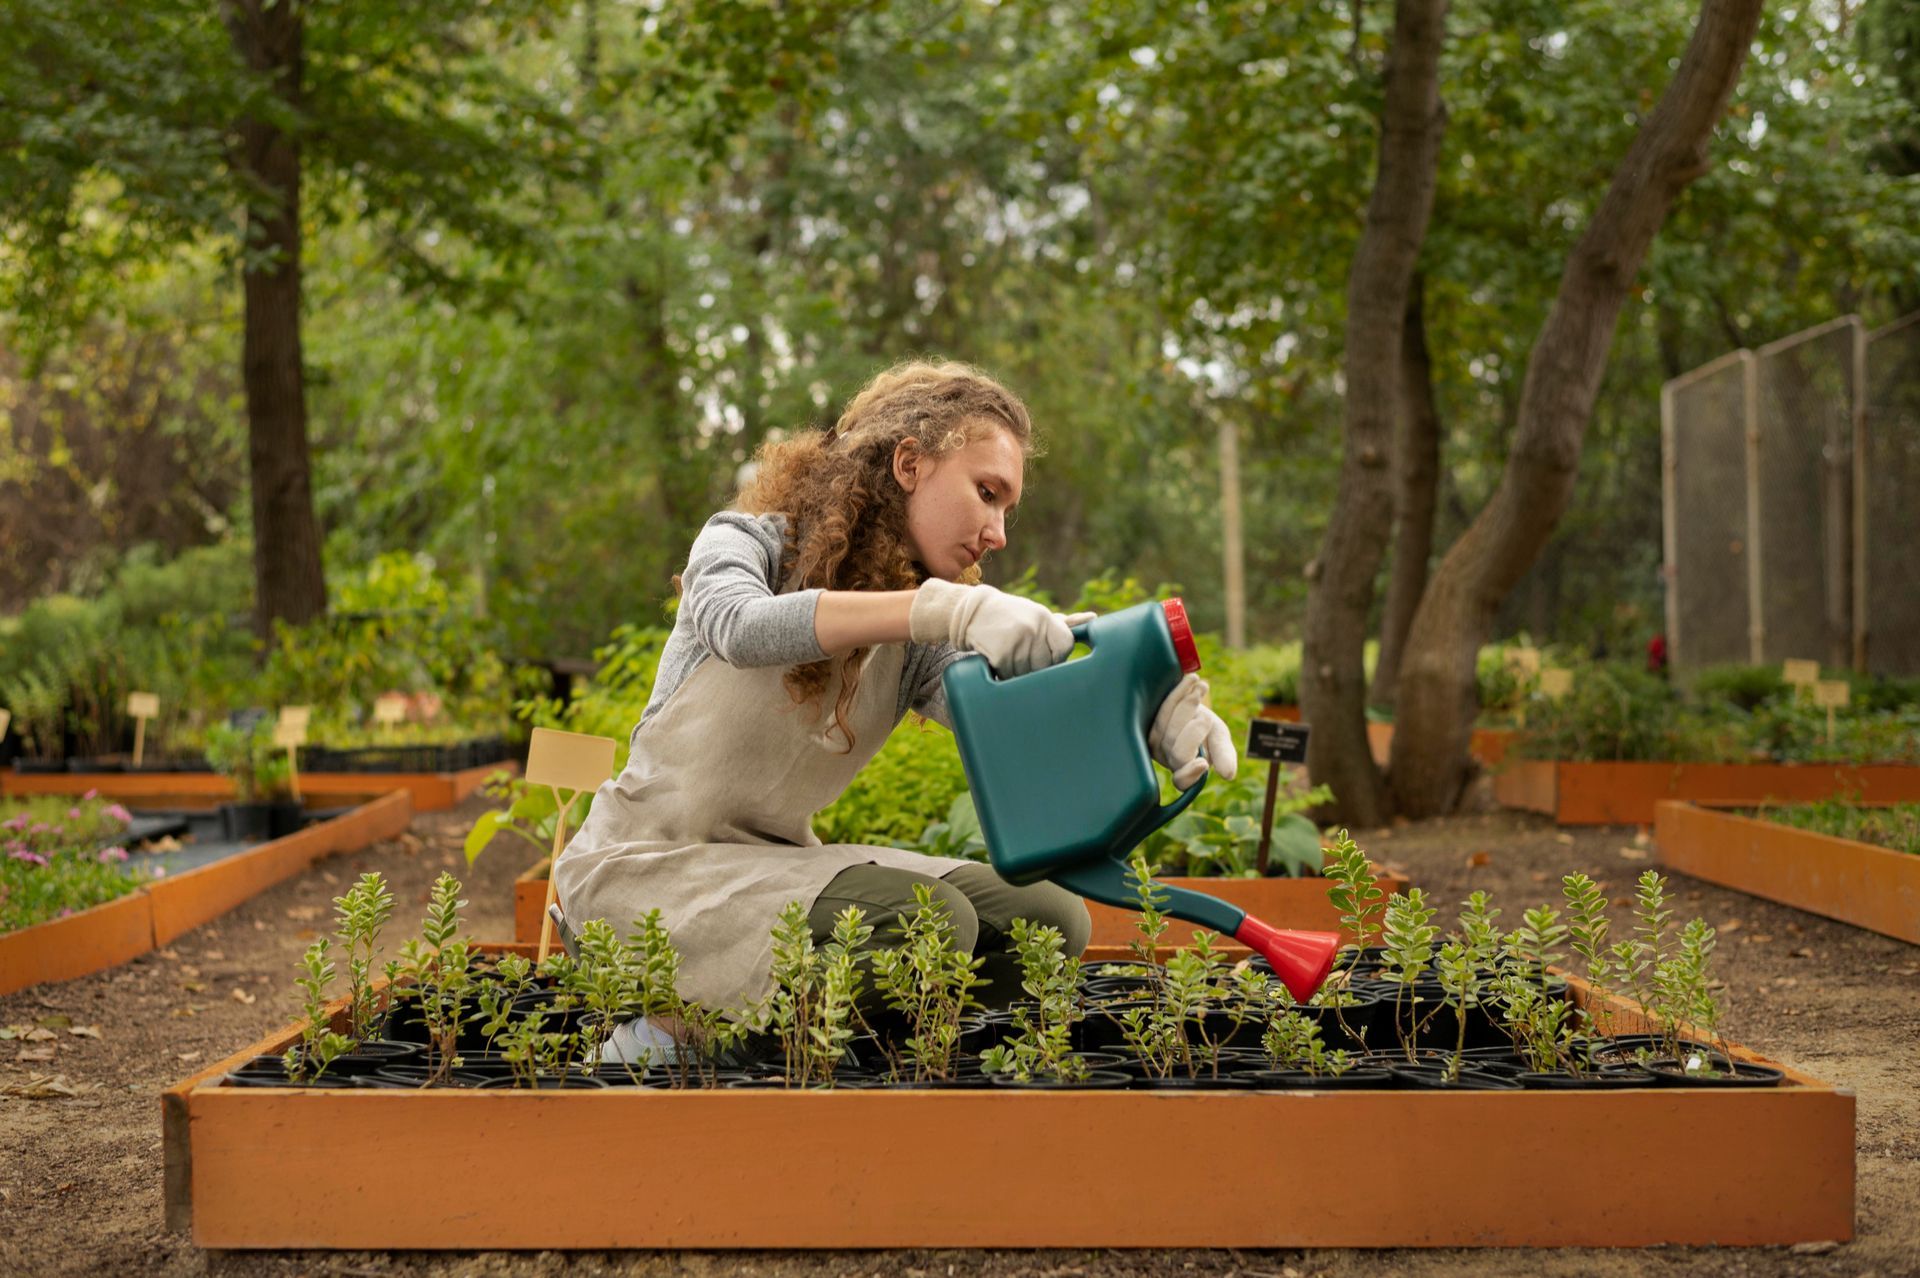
813 616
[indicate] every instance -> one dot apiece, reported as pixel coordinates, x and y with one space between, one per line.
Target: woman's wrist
847 619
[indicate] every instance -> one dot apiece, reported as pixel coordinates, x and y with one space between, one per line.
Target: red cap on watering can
1182 631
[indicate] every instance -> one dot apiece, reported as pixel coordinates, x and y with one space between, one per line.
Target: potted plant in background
263 806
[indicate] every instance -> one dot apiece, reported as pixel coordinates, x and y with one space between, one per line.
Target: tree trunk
288 580
1436 697
1416 461
1340 581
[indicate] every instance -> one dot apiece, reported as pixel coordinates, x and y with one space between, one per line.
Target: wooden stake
575 762
142 706
559 841
1266 817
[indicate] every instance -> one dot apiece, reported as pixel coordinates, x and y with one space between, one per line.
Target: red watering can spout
1302 960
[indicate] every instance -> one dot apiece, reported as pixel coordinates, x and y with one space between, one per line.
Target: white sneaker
637 1042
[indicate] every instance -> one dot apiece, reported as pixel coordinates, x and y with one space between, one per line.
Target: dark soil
80 1178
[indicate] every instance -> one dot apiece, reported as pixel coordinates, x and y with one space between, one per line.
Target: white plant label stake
291 733
1525 665
1802 675
1832 693
142 706
571 761
1555 683
388 709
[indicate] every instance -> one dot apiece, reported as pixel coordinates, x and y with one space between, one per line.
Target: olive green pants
982 905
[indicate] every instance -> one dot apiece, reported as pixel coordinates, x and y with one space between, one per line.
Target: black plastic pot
1097 1080
548 1083
1471 1079
1360 1076
244 822
271 1071
1624 1047
285 817
1589 1082
1668 1072
374 1054
1203 1083
405 1078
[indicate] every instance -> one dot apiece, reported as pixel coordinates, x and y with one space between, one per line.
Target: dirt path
80 1178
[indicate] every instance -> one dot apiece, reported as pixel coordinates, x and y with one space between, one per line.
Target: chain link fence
1785 471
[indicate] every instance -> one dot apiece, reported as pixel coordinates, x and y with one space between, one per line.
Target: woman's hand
1015 635
1183 725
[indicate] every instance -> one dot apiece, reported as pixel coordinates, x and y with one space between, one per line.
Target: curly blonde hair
847 514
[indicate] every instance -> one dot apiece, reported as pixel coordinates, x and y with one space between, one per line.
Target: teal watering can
1065 789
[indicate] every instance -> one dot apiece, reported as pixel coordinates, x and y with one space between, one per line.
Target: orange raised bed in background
1858 883
159 911
1626 793
428 791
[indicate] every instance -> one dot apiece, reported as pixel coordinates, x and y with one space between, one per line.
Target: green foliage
1896 826
319 1043
1041 1045
1354 890
811 1009
59 856
363 911
929 980
438 967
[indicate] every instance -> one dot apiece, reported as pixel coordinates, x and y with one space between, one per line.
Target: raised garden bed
1627 793
157 912
1283 902
279 1167
1872 887
455 757
427 791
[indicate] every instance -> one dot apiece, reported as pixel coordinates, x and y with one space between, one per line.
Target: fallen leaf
303 913
214 956
1634 854
186 1056
55 1022
193 987
1731 925
188 969
1563 838
1479 859
305 934
1642 838
180 1013
30 1054
42 1087
39 1034
1540 876
168 953
239 995
1760 938
1820 1248
259 925
84 1031
1802 952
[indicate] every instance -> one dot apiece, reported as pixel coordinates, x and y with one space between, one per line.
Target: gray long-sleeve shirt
732 607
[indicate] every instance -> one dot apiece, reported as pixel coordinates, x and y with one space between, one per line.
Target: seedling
440 971
1041 1045
1408 939
319 1043
363 911
929 980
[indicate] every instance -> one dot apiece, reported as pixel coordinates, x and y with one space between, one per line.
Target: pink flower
120 814
18 823
109 855
73 814
159 871
91 794
31 858
66 911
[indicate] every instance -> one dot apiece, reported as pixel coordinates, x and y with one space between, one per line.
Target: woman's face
957 505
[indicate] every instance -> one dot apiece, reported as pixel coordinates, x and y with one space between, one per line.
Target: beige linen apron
711 821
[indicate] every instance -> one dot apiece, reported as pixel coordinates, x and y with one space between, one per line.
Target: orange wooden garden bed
1858 883
428 791
281 1168
1290 903
1626 793
157 912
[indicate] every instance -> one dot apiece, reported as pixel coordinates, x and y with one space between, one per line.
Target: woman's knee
886 897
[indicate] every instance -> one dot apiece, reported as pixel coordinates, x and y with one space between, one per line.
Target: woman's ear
909 463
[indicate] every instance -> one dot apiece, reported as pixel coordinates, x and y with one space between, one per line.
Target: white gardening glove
1015 635
1183 725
